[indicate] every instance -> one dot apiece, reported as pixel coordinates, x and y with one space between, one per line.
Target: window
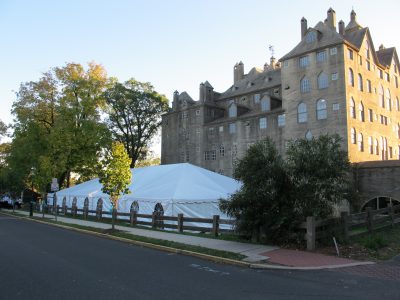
367 52
333 51
211 131
213 155
263 123
398 131
232 128
304 61
381 96
305 86
360 142
376 146
232 110
234 150
371 146
321 109
323 82
309 135
206 155
397 104
257 98
350 54
352 108
359 60
360 82
388 100
369 87
221 128
221 150
336 106
302 113
197 112
281 120
353 136
387 76
351 77
396 83
380 74
266 103
311 36
335 76
321 56
368 65
370 115
361 112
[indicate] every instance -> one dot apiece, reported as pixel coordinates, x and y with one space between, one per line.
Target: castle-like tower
333 81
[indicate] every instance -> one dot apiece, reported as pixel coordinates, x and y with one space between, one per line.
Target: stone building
332 81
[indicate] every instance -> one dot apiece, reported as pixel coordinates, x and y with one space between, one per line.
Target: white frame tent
179 188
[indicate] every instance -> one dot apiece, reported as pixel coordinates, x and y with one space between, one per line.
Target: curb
208 257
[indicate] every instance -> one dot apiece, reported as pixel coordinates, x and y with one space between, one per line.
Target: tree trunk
113 219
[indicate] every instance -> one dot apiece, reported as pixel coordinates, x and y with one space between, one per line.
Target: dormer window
311 37
232 110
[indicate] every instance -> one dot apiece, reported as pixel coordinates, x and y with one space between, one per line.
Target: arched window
388 100
351 77
360 142
381 96
353 136
352 108
376 146
361 112
305 86
370 144
360 82
302 113
323 81
135 206
397 104
309 135
232 110
321 109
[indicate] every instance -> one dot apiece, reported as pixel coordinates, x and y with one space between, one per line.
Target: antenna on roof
271 50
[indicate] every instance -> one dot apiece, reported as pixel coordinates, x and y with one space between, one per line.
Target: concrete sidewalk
259 255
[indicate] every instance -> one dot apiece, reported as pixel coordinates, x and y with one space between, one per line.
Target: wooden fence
155 220
350 225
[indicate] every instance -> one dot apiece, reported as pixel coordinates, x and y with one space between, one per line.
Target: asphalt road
43 262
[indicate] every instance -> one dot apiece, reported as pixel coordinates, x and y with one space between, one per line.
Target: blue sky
174 44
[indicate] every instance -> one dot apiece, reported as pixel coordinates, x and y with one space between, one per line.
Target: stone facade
332 81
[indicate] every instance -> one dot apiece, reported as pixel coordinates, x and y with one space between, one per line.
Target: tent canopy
179 188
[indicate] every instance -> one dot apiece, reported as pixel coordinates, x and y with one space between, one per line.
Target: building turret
272 63
202 95
238 72
175 101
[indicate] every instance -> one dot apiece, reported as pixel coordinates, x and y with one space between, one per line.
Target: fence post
180 222
133 218
344 218
310 233
369 219
391 213
153 219
215 228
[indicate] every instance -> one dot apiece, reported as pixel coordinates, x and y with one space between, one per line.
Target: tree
134 112
264 205
3 128
278 194
58 123
320 172
115 175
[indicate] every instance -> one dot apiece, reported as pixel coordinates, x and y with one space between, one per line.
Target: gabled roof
326 36
255 80
385 56
356 37
185 96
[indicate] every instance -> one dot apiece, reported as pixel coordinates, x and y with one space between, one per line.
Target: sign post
54 188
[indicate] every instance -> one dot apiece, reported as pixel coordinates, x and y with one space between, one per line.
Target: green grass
171 244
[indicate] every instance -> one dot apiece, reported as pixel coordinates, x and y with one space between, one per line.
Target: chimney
381 47
266 67
331 18
341 27
235 76
353 16
272 63
175 100
240 71
303 23
202 96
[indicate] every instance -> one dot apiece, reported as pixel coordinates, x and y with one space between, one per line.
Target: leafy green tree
58 123
264 205
134 111
3 129
115 174
147 162
320 172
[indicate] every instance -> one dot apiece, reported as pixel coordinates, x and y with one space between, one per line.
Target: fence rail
350 225
155 220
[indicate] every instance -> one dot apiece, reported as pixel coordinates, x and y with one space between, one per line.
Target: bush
374 242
